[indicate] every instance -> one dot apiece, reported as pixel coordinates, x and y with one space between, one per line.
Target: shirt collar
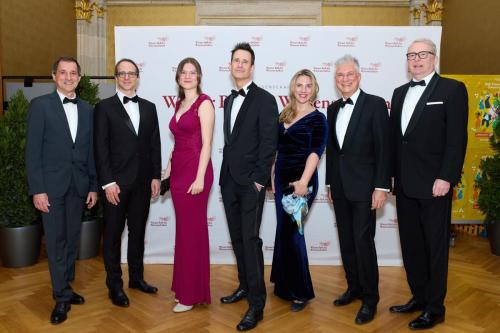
427 79
121 95
62 96
246 86
354 97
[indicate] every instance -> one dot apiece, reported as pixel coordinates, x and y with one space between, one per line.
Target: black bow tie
69 100
347 101
417 83
241 92
134 99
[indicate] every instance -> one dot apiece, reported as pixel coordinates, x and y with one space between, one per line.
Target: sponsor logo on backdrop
389 224
224 68
319 103
269 248
226 247
374 67
162 221
301 41
395 42
158 42
207 41
256 40
322 197
274 86
211 220
321 246
348 42
174 69
170 101
279 66
141 65
325 67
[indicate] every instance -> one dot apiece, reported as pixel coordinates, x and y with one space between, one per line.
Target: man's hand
155 188
41 202
258 186
440 188
378 199
91 199
112 194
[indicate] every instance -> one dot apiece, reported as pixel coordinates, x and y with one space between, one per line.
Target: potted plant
489 195
20 230
90 236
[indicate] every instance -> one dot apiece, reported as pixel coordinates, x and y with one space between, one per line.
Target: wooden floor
473 301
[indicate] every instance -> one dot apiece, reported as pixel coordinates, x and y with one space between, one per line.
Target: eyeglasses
348 76
183 73
125 74
421 55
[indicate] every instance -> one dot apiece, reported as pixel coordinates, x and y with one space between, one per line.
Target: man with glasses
358 174
128 161
429 125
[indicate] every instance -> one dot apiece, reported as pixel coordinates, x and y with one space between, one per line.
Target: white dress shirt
237 102
71 111
344 116
132 111
411 100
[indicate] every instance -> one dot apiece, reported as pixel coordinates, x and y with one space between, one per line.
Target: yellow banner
484 107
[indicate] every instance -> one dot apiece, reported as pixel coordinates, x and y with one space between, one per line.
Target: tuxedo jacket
53 160
363 162
249 149
122 155
433 145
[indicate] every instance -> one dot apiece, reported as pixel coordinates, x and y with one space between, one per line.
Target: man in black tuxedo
250 142
128 160
429 125
61 175
358 174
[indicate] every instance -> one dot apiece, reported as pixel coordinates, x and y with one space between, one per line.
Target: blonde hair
290 111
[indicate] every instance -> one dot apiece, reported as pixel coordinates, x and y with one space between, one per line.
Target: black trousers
62 225
243 205
356 229
133 208
424 231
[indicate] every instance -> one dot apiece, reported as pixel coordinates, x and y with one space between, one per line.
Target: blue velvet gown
290 270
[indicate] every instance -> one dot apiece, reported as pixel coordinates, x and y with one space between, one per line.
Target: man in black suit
128 160
250 142
429 125
61 175
358 174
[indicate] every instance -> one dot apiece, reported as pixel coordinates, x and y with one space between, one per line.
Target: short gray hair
347 59
426 41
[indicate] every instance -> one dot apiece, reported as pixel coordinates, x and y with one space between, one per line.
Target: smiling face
420 68
303 89
347 78
127 82
241 67
66 78
188 78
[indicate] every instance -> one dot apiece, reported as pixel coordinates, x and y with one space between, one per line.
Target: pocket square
435 103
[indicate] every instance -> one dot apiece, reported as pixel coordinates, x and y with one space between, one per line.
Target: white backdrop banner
280 52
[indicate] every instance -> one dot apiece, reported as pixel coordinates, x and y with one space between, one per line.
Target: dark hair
126 60
66 59
243 46
180 67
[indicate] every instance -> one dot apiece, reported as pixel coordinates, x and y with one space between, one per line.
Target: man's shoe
143 286
426 320
298 306
60 312
76 299
238 295
250 319
365 314
411 306
119 298
346 298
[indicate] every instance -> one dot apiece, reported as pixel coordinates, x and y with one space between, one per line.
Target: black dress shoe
60 312
365 314
76 299
238 295
143 286
346 298
411 306
298 306
119 298
250 319
426 320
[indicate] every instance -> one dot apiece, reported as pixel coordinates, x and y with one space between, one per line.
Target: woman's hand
300 188
196 187
165 173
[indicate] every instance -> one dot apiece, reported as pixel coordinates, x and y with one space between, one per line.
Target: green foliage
489 184
88 91
16 207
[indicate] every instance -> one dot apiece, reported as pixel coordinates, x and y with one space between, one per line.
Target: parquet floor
473 302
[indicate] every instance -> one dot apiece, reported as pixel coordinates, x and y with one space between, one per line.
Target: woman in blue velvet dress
302 139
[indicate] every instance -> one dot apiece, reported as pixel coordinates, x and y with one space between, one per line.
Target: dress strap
201 99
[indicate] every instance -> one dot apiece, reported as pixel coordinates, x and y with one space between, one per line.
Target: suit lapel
227 118
397 108
123 114
419 108
333 124
56 101
353 122
142 115
81 119
243 110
